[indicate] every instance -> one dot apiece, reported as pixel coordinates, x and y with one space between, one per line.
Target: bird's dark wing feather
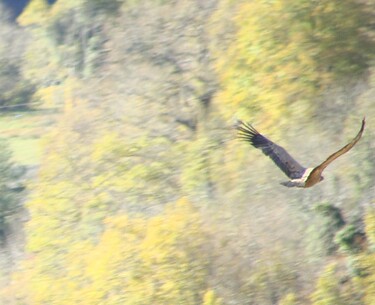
278 154
319 169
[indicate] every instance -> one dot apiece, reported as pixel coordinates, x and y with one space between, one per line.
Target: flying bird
299 175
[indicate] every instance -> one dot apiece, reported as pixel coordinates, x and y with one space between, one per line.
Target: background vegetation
118 118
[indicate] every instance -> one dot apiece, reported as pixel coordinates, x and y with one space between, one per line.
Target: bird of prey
299 175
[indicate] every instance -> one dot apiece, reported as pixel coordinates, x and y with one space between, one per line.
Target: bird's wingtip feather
237 123
363 123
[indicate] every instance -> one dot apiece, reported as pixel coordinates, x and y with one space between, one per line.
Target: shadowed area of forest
124 182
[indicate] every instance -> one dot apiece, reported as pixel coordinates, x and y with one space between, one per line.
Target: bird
299 175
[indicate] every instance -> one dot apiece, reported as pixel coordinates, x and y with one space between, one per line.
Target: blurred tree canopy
284 54
145 196
15 90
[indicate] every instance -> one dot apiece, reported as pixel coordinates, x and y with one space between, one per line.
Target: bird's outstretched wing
278 154
319 169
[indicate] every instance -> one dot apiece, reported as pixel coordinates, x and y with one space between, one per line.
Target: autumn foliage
144 196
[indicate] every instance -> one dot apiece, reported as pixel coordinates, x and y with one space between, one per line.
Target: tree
355 285
67 43
329 290
135 260
289 299
15 90
274 69
9 199
34 13
330 222
364 263
210 298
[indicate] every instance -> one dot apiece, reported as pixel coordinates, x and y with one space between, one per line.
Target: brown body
314 178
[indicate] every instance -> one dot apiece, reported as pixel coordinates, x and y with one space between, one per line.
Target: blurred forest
123 181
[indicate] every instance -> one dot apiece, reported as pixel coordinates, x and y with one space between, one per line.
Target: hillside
139 190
